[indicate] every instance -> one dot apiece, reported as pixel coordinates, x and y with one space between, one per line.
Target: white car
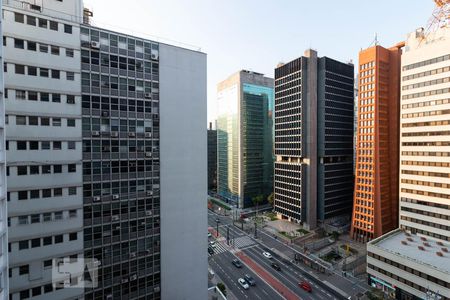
243 283
212 244
267 254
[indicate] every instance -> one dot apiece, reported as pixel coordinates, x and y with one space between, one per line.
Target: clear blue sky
256 35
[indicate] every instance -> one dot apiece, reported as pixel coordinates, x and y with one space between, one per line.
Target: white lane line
264 291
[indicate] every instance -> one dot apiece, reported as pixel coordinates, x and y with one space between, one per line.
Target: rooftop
407 246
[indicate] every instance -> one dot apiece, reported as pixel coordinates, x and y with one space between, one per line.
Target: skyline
225 39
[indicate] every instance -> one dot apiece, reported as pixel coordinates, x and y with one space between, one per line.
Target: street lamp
217 231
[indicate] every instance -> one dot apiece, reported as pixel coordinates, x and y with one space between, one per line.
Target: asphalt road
229 274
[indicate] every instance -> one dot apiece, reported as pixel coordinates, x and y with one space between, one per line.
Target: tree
270 199
222 288
256 200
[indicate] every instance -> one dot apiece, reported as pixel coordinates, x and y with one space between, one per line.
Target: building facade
313 139
3 201
245 138
133 119
413 261
212 159
43 140
375 206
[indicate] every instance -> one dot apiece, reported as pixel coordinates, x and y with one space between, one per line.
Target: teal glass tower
245 130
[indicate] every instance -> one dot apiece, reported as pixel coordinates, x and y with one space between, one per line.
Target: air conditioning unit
148 212
148 154
115 197
95 133
109 297
149 193
132 134
133 277
143 223
115 218
124 280
117 228
96 199
105 113
154 55
148 95
95 45
148 134
132 254
114 134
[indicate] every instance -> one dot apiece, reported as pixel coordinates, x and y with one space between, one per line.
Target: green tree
222 288
270 199
256 200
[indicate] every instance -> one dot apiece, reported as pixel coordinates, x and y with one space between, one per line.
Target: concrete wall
183 174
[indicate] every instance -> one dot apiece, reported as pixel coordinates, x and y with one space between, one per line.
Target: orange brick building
375 205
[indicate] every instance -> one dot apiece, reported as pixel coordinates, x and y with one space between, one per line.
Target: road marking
264 291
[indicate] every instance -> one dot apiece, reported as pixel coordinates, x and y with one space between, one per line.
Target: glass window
57 192
34 145
32 96
46 193
70 76
56 145
34 194
42 23
21 95
68 28
56 122
24 245
31 20
22 195
58 238
55 74
72 168
45 145
56 98
46 169
21 145
36 291
47 217
32 71
43 72
54 50
72 236
36 218
22 170
53 25
34 121
70 122
71 145
35 243
23 220
43 48
24 270
21 120
58 215
19 17
20 69
69 52
57 169
72 190
19 44
45 121
34 170
31 46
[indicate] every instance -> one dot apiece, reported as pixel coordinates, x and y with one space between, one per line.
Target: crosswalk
238 243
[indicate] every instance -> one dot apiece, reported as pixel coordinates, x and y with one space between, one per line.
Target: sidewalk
230 296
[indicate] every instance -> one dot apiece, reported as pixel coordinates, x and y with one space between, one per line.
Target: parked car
237 263
210 250
267 254
276 266
212 244
243 283
306 286
249 279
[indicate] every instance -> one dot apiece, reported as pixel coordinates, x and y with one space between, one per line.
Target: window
25 294
32 71
58 239
47 241
68 28
53 25
71 145
31 20
36 291
23 220
46 193
43 48
20 69
57 192
72 168
21 145
55 74
56 98
47 263
57 169
31 46
46 170
72 236
56 122
22 195
21 120
45 145
5 67
23 245
72 190
22 170
69 52
58 215
34 194
54 50
72 213
42 23
70 76
70 99
43 72
48 288
34 121
45 122
19 44
4 41
32 96
35 243
35 218
34 170
47 217
19 17
45 96
56 145
23 270
34 145
21 95
70 122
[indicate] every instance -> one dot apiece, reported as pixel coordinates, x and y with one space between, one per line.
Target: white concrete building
414 261
3 200
43 135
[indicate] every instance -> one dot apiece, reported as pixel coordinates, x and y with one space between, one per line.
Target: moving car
243 283
212 244
267 254
276 266
237 263
210 250
249 279
306 286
